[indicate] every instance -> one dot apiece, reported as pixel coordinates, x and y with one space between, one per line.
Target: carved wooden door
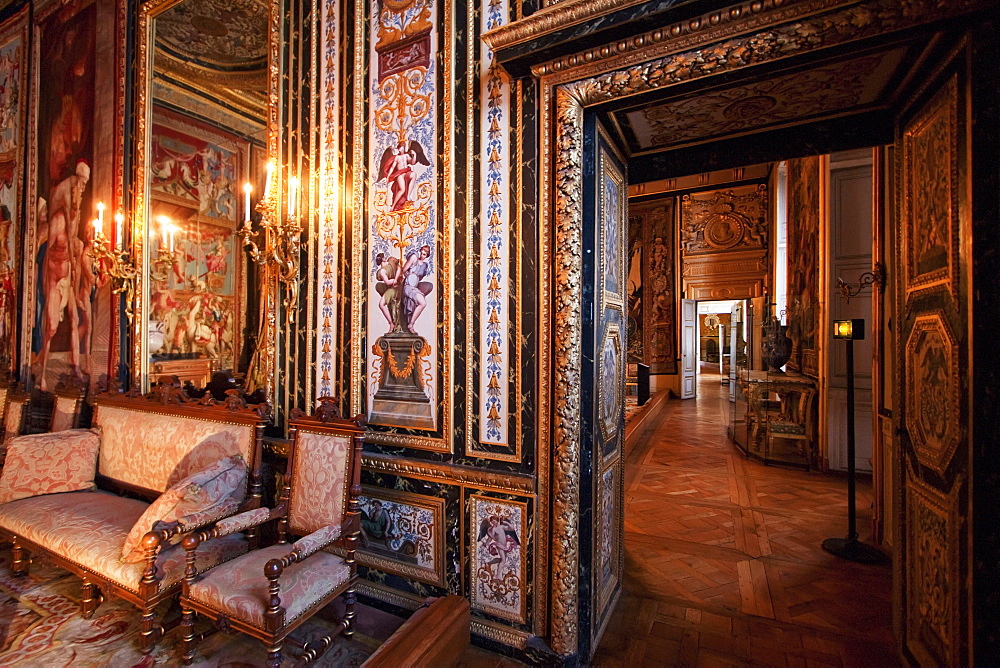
603 382
946 194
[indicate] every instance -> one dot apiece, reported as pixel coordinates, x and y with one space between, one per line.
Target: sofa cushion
88 529
239 588
49 463
199 493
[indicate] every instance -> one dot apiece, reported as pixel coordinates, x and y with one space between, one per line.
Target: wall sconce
874 277
278 243
161 265
118 263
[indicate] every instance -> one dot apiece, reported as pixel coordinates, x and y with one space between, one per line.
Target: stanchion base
854 550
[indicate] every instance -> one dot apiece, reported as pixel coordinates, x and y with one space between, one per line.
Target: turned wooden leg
90 600
151 631
350 598
19 562
274 656
187 635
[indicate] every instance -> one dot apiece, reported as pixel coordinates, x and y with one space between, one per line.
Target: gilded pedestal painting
195 275
498 568
64 285
402 277
13 80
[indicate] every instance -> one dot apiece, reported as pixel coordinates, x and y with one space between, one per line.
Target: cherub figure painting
396 168
498 536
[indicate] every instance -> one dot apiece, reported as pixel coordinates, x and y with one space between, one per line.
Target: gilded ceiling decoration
217 34
832 88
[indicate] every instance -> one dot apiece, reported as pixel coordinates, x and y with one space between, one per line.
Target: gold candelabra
277 245
117 263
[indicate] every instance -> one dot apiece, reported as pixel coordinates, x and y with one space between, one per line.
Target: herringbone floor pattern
723 564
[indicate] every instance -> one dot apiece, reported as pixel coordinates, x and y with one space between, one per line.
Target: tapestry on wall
61 290
13 81
634 307
803 263
196 273
403 289
655 220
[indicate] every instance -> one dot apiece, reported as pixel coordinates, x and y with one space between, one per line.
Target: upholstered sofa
146 443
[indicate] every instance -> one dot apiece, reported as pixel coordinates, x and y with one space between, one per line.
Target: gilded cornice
549 19
449 473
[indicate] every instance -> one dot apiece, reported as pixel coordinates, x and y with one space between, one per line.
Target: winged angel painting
396 168
499 564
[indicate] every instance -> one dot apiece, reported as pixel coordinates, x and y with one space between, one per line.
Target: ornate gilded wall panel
403 533
494 284
13 109
724 220
654 221
330 200
932 388
931 409
407 273
498 557
933 576
930 153
803 263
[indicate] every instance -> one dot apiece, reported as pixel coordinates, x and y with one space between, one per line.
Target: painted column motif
329 200
402 295
494 239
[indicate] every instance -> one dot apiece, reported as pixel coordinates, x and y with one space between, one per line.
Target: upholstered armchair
269 592
14 413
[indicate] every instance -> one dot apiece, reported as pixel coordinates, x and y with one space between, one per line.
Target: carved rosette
931 372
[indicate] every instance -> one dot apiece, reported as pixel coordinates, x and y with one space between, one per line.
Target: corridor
723 564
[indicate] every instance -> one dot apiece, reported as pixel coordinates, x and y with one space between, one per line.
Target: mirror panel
205 115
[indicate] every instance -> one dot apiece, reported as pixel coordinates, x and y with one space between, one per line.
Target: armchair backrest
149 443
324 466
68 404
14 413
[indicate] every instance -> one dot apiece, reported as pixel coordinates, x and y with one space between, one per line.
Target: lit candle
173 230
97 227
270 175
293 186
164 225
119 229
247 188
100 213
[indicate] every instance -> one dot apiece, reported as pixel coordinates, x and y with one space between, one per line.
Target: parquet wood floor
723 564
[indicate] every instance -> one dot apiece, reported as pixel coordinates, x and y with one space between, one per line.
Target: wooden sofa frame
169 402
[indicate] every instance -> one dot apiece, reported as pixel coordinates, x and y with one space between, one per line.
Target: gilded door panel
932 408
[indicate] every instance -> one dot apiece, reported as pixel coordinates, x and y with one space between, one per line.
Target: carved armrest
316 541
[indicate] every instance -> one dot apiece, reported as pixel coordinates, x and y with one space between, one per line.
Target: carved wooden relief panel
932 408
724 242
803 263
724 220
654 222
